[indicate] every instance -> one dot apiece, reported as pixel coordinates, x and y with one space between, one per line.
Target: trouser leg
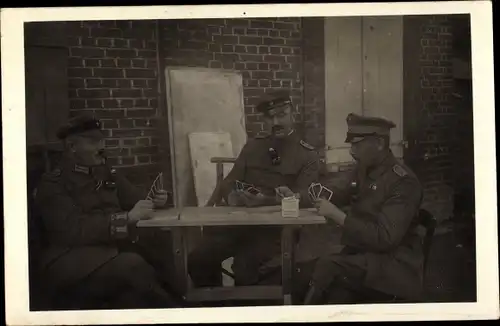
217 244
329 271
129 272
261 245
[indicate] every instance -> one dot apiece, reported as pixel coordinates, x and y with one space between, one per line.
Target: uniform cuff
119 225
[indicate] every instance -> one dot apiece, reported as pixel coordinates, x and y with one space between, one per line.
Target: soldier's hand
284 192
142 210
160 198
327 209
252 200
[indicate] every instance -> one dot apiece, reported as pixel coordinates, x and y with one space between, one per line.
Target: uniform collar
385 163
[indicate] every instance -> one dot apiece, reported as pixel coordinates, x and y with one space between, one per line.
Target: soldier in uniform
279 162
88 211
383 251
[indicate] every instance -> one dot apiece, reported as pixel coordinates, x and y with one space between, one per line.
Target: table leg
180 259
287 252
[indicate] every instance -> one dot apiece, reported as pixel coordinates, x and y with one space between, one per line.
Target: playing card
325 193
311 191
155 186
316 190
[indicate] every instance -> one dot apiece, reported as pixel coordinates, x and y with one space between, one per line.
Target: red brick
139 73
258 23
274 58
262 75
87 41
120 43
251 40
274 33
108 63
104 42
121 53
111 142
226 39
122 83
126 103
92 63
126 93
87 52
273 41
110 114
110 104
141 113
93 93
250 49
107 73
251 57
146 54
95 104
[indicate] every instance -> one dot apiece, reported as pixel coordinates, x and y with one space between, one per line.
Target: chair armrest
223 160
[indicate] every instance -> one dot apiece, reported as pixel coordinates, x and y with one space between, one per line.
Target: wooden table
178 220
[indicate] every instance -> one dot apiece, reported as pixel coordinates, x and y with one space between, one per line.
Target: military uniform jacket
75 204
298 168
381 225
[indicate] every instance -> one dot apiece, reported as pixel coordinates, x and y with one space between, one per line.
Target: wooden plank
180 261
218 216
343 82
383 73
203 147
201 100
287 263
258 292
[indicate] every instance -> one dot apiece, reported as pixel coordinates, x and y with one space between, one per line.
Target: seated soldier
278 162
383 252
87 209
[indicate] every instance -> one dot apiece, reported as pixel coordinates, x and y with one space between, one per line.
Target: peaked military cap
362 126
82 125
271 102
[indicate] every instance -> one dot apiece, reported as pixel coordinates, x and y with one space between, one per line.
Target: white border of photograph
14 169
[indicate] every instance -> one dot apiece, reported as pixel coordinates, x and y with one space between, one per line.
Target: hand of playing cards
242 186
156 193
317 190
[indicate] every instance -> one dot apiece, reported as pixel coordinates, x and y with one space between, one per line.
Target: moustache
277 128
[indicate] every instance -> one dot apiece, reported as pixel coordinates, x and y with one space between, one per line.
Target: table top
229 216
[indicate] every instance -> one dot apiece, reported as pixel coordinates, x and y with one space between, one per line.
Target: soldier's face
88 151
366 150
280 124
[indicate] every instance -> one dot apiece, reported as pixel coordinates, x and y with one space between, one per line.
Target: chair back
429 222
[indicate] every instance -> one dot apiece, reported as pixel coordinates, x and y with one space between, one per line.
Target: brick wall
113 72
439 115
266 51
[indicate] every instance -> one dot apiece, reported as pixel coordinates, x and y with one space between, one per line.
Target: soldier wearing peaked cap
87 210
383 251
278 160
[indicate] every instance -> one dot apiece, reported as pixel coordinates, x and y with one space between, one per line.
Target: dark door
413 133
47 103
